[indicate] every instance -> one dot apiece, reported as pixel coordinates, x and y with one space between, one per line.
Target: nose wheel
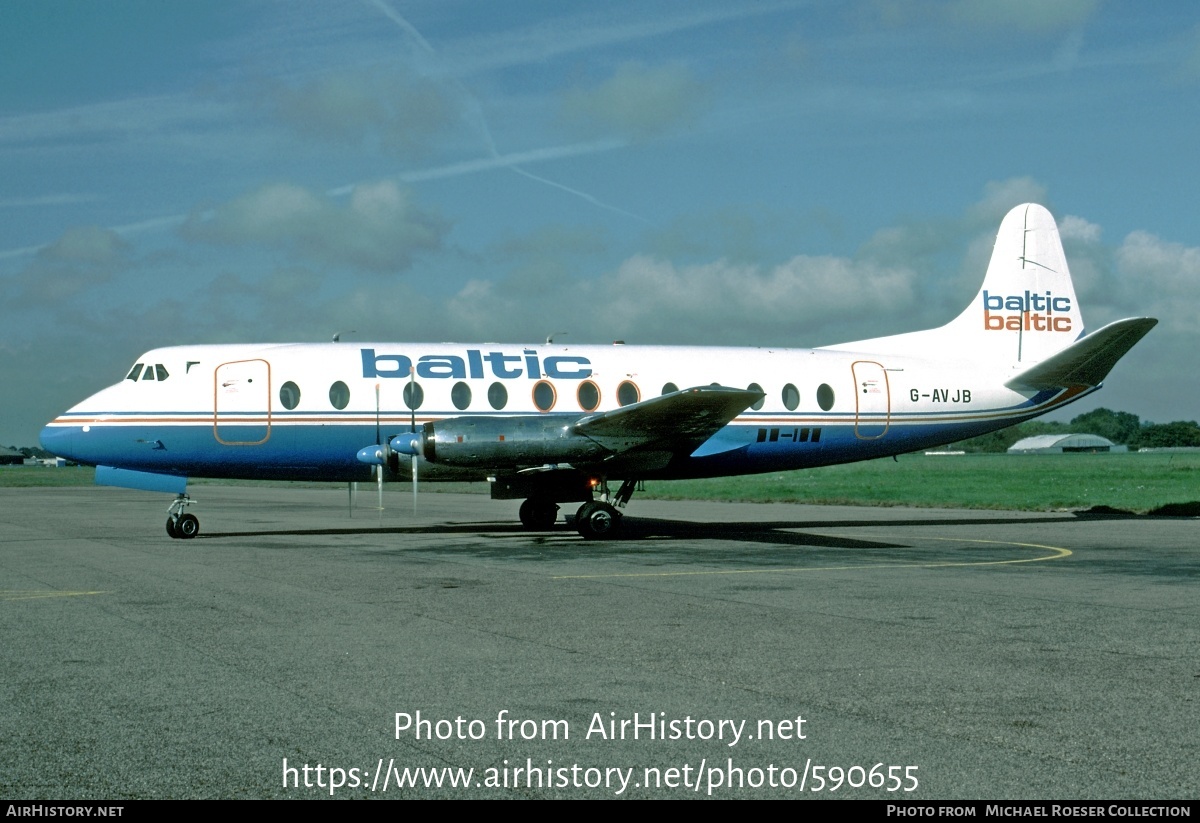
181 526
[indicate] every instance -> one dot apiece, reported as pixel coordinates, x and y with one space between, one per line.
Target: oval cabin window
588 396
460 396
628 394
544 396
289 395
339 395
825 396
497 396
791 397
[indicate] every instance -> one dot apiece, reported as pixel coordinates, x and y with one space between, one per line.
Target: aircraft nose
59 440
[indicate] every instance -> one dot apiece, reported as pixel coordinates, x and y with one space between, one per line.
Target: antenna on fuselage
550 336
337 337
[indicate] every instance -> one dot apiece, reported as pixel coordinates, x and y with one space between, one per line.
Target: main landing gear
595 520
539 514
179 525
601 519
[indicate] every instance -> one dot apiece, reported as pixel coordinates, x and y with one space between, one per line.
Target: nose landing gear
181 526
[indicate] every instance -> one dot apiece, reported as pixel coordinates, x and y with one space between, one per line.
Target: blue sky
757 173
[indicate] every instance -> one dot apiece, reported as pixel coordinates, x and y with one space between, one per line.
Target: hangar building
1065 444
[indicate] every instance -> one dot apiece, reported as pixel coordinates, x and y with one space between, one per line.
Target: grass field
1129 482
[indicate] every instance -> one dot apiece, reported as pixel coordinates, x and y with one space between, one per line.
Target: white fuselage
303 410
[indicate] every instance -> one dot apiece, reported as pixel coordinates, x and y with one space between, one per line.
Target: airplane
552 424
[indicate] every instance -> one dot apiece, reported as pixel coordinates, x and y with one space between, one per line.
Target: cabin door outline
872 400
242 402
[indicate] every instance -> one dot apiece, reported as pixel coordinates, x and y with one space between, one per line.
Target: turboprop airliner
552 424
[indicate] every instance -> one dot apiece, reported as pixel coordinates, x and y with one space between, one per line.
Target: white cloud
379 230
650 300
637 102
383 106
82 259
1023 15
1071 227
1164 277
1001 195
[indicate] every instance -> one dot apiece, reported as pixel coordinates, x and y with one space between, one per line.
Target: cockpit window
142 372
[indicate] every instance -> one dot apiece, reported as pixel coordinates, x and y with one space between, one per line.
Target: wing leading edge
674 424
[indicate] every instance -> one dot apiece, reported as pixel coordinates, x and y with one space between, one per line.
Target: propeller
410 443
412 427
379 466
377 455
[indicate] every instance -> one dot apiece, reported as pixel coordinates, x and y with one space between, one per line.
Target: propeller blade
412 398
379 483
412 427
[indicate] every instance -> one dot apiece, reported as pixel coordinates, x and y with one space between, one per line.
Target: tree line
1122 428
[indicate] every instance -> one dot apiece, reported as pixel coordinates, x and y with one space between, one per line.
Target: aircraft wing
676 423
1087 361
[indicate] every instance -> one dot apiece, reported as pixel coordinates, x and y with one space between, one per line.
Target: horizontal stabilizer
678 422
1087 361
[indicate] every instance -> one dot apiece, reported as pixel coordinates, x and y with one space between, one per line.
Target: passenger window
414 395
791 397
497 396
135 372
670 388
758 404
289 395
825 396
460 395
339 395
588 396
627 393
544 395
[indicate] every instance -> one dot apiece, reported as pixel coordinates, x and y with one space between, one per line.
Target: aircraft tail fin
1025 311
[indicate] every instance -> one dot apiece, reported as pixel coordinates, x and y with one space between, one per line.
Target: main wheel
597 521
174 535
538 515
187 527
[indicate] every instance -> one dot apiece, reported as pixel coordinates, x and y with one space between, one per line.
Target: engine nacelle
502 442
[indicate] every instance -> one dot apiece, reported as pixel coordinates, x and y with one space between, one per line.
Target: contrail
408 27
493 161
473 113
